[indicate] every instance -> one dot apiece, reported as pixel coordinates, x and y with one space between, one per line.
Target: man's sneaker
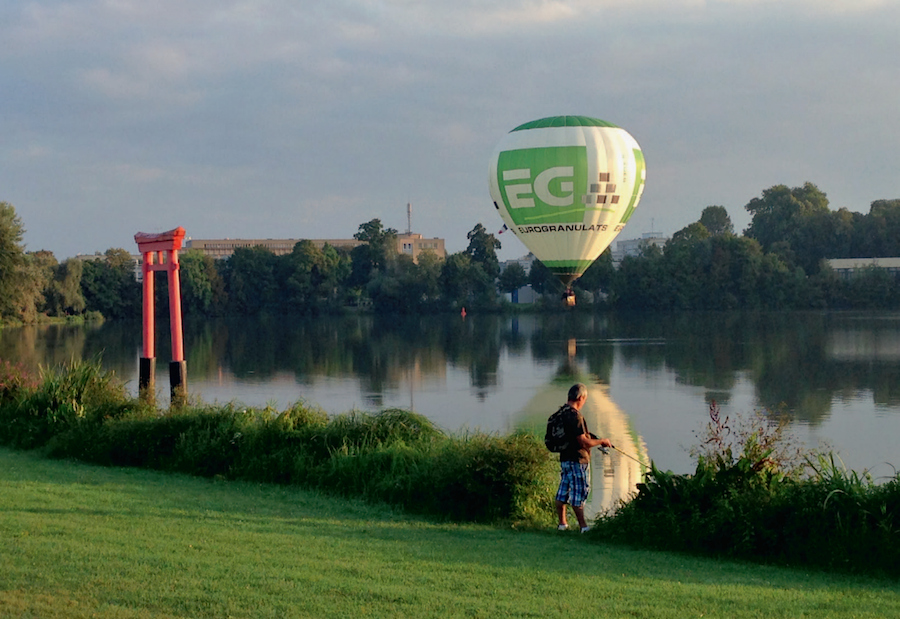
585 529
562 527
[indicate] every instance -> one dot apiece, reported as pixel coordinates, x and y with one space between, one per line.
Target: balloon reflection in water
614 476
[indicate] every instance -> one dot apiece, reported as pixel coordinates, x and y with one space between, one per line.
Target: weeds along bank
395 456
755 495
751 496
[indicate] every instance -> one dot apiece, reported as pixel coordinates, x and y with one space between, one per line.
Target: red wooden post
147 367
160 253
175 306
149 303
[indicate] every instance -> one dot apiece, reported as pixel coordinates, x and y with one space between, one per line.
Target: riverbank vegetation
396 456
81 541
778 263
755 496
751 497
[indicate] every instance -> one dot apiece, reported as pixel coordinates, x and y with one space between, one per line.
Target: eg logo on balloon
543 185
516 193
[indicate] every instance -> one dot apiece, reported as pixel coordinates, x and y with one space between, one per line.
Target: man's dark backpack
556 439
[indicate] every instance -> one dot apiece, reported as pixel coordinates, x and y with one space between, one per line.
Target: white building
846 267
634 247
410 243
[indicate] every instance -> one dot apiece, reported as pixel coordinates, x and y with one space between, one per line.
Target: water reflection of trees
474 344
787 357
37 346
804 361
376 350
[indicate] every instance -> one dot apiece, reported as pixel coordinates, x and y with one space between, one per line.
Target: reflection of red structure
160 253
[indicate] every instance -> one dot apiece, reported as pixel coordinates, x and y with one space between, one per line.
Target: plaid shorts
574 483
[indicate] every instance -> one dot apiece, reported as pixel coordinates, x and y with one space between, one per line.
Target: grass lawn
82 541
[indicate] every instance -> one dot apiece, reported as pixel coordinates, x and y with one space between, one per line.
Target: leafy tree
782 288
884 206
689 235
483 287
781 211
313 276
845 229
337 267
250 279
483 248
12 263
874 288
733 273
512 278
716 220
455 278
687 256
305 276
428 275
879 235
376 255
542 279
637 283
410 286
37 273
599 276
63 295
202 287
375 234
109 285
395 291
813 239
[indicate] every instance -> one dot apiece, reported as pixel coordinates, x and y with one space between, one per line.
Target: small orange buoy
463 312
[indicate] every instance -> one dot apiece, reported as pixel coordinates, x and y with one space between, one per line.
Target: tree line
253 280
778 262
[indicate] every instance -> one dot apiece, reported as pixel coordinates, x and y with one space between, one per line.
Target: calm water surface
651 376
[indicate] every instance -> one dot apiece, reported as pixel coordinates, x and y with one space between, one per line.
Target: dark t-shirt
575 426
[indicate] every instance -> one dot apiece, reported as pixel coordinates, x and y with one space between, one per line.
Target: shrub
14 381
77 393
758 438
473 478
857 521
752 498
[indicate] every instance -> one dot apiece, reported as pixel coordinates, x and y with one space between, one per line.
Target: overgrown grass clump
395 456
755 497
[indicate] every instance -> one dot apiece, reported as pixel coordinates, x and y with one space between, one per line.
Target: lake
837 375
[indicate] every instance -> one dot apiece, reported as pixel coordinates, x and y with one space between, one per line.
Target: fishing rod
606 453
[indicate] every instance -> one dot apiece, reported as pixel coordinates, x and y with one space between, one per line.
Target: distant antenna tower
408 218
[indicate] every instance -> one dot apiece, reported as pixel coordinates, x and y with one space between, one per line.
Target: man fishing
575 459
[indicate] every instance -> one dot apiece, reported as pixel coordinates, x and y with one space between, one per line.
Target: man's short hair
577 391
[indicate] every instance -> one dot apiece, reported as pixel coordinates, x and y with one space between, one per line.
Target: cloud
323 114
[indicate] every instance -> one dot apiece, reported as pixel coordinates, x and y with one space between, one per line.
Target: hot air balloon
566 186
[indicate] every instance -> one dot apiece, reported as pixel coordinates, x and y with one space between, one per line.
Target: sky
286 119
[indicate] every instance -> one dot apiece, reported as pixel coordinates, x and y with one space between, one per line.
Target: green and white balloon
566 186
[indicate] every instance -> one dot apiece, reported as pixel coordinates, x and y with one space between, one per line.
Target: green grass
83 541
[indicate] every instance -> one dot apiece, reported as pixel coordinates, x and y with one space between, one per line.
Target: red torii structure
160 253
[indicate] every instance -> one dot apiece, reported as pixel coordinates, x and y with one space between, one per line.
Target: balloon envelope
566 186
